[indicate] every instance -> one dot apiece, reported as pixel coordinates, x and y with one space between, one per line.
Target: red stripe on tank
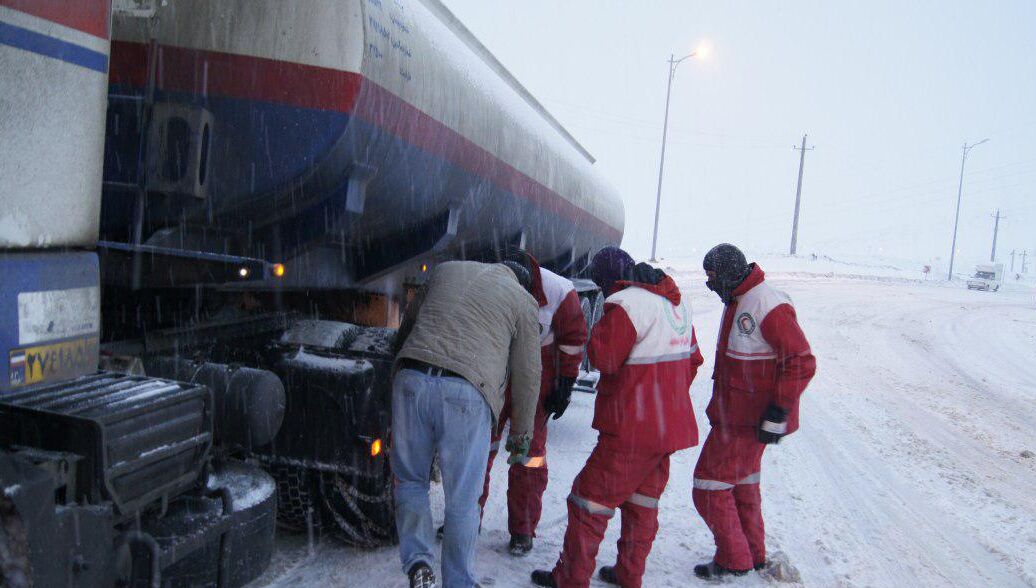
306 86
390 113
88 16
236 76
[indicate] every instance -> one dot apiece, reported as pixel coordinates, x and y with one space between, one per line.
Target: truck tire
298 509
361 506
15 569
253 513
245 551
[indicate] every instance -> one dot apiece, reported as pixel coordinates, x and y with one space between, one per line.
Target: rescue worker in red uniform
563 335
646 350
763 364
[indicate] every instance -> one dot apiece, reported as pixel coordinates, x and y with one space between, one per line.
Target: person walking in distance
763 364
647 352
469 327
563 335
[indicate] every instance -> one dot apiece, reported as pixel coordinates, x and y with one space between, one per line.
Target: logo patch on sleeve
746 324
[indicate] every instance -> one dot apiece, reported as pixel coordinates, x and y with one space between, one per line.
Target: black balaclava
523 275
730 268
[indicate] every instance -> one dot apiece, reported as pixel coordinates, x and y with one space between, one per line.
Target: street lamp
702 51
960 189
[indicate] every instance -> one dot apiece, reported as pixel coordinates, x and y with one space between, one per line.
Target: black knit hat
730 268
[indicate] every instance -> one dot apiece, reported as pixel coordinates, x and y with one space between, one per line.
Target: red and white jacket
563 330
762 358
647 352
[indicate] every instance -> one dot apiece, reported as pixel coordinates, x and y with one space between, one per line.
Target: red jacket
562 326
647 352
762 358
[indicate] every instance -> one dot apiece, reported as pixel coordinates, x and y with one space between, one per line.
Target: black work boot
712 571
544 578
520 545
608 575
422 576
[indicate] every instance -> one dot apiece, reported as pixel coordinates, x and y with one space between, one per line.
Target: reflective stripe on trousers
717 485
535 462
591 506
645 501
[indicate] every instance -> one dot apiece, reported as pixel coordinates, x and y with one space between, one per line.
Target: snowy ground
909 470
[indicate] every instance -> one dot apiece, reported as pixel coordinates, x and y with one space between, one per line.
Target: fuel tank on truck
53 89
350 139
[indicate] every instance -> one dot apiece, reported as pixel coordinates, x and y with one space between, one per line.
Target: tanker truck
107 478
235 200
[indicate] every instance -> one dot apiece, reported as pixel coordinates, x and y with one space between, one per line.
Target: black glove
774 425
557 401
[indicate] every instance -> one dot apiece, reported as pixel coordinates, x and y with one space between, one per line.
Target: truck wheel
361 506
15 570
250 541
298 509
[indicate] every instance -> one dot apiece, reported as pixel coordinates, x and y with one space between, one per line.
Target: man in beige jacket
472 328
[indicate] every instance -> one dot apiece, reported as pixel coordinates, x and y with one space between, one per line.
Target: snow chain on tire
298 509
361 506
15 569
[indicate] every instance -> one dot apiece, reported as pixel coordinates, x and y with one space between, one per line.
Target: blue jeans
450 417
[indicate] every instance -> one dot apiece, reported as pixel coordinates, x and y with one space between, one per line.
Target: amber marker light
424 268
376 448
278 270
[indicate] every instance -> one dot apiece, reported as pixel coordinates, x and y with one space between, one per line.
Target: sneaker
713 570
422 576
520 545
544 578
608 575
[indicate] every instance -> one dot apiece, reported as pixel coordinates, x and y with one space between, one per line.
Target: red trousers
526 482
726 494
613 477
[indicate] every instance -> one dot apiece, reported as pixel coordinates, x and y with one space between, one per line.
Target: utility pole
1025 268
798 195
996 229
1012 260
673 63
960 192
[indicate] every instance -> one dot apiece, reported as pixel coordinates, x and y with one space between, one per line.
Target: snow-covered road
908 470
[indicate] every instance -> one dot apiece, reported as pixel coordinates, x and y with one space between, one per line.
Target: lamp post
673 63
960 190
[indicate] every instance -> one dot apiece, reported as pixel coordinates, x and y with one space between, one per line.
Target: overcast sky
888 91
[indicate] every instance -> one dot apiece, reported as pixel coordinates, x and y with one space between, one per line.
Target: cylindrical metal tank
53 88
343 137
